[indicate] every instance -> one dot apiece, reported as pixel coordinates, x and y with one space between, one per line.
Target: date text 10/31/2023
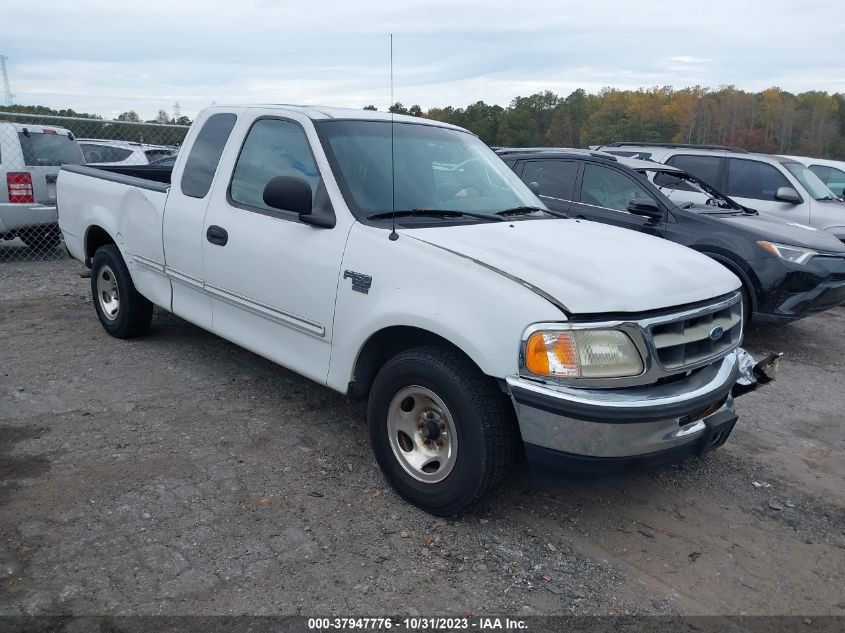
418 624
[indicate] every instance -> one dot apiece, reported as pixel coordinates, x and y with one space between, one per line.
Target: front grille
837 277
689 341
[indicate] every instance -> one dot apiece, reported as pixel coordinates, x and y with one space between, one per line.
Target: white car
830 172
107 152
429 280
30 156
773 185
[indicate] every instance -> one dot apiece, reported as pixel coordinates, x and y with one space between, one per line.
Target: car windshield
682 181
812 183
435 168
49 149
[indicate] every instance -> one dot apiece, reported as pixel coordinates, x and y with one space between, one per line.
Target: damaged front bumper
605 430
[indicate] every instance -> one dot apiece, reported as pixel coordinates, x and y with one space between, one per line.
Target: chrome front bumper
626 422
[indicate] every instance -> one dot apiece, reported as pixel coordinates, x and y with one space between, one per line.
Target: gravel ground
179 474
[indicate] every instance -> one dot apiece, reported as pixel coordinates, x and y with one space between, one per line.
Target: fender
747 277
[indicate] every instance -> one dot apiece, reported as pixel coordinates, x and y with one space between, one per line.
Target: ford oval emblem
716 333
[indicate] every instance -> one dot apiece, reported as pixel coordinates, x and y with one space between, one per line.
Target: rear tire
442 432
122 310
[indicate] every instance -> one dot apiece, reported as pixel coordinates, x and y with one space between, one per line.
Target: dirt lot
180 474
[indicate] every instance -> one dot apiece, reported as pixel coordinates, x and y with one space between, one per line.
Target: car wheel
442 432
122 310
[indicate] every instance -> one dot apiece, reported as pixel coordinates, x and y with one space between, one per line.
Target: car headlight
794 254
581 354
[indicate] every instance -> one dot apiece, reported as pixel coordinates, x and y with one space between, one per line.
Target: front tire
122 310
442 432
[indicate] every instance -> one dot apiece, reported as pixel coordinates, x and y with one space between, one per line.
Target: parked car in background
787 271
30 156
106 152
398 259
167 161
830 172
772 185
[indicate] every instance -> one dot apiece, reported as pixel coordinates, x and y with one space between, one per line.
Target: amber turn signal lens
552 354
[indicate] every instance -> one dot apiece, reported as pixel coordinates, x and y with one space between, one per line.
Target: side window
205 154
155 154
105 153
704 167
831 176
609 188
753 179
555 177
272 148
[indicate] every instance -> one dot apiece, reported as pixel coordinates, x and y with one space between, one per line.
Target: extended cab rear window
49 149
205 154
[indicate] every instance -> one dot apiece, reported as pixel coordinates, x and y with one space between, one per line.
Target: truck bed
130 175
125 203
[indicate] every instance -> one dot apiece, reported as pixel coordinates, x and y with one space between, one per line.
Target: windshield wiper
433 213
525 210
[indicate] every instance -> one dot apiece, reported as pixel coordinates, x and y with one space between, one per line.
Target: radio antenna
393 234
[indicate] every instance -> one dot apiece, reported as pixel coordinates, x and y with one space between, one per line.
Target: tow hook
753 375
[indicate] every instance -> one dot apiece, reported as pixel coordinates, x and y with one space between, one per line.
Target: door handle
217 235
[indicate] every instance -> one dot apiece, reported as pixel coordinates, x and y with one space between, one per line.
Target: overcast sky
108 56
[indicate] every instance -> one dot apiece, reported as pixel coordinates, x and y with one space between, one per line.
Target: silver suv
30 157
773 185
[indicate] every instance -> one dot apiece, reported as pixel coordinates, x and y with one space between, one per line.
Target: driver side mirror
288 193
534 187
787 194
645 207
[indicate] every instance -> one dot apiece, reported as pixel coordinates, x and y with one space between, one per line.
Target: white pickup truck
481 324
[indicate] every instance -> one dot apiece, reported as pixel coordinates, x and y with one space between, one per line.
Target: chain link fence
32 149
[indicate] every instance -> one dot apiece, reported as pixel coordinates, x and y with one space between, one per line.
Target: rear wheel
122 310
442 432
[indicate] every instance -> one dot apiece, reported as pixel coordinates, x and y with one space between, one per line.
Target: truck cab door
184 216
273 279
604 195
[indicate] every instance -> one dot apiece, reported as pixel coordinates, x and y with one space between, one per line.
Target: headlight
794 254
581 354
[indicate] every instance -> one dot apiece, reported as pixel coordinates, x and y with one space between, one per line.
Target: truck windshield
435 168
812 183
49 149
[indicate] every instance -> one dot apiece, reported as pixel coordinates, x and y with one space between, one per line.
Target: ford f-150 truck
401 260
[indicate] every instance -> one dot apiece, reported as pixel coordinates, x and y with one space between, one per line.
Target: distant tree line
772 121
151 131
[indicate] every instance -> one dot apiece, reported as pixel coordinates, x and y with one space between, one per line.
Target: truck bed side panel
130 214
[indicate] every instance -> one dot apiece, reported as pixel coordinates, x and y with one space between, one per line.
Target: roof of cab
317 113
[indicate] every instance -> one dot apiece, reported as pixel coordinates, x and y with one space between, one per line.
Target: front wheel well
747 278
95 237
384 345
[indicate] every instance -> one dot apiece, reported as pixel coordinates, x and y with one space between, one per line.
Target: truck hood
588 268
